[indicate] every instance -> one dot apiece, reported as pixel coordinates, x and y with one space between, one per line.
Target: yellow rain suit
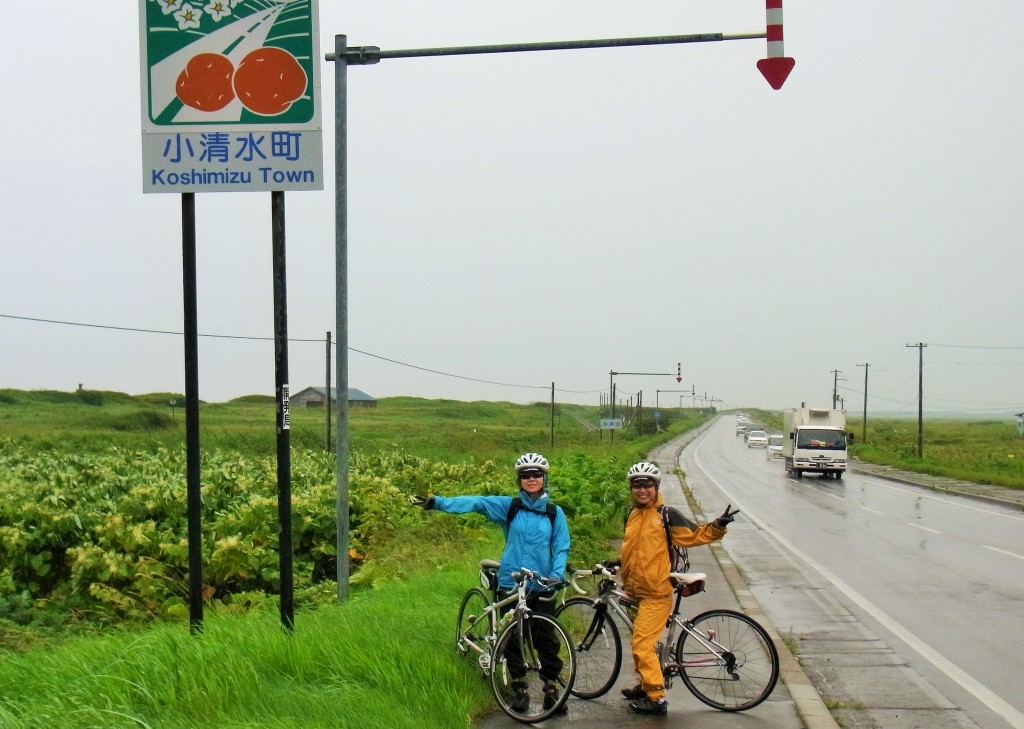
644 570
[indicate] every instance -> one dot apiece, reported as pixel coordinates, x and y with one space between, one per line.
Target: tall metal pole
341 301
864 421
193 490
284 456
835 387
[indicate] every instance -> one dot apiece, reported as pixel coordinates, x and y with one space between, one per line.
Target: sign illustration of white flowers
229 60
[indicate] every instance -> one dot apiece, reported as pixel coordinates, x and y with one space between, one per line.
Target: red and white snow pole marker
777 66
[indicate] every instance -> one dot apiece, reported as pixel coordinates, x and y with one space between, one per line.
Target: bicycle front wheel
532 670
598 647
727 660
474 625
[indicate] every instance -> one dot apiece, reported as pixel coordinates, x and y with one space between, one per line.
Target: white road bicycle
503 634
725 658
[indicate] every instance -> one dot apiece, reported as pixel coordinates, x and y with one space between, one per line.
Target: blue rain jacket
528 541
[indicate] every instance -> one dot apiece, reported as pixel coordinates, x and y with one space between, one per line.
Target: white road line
1003 551
921 492
985 695
922 528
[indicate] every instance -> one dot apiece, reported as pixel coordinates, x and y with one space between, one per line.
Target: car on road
757 439
741 426
774 449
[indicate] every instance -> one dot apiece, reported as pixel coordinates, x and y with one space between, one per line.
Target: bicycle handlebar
523 575
599 569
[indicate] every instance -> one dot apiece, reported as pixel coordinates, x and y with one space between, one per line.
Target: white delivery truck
814 441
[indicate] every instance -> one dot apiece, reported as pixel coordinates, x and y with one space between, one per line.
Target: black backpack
678 559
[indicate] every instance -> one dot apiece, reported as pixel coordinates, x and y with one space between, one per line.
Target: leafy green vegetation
93 524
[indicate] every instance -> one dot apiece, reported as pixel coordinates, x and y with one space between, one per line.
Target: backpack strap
663 510
517 505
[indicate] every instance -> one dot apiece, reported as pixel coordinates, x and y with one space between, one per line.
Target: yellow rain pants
651 618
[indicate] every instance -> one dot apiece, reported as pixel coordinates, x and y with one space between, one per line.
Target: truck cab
814 442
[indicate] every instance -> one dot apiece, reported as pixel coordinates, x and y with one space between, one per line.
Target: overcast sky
523 219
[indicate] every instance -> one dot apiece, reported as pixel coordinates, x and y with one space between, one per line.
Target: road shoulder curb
808 702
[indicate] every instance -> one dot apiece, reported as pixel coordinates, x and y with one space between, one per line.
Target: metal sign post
343 57
231 103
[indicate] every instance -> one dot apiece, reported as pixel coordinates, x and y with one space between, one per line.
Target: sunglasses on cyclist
642 483
531 474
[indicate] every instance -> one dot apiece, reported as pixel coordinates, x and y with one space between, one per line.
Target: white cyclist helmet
530 461
643 469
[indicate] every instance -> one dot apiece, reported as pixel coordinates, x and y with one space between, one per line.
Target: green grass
988 451
383 659
443 429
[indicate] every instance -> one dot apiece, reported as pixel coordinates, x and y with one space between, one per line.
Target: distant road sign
230 96
611 423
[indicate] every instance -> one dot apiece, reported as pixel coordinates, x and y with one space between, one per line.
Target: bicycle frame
493 614
616 601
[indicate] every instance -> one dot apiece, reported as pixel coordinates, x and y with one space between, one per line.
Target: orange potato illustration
205 84
269 80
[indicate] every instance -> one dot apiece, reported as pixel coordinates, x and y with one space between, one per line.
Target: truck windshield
821 439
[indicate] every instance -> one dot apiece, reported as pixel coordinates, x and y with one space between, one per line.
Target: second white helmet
643 469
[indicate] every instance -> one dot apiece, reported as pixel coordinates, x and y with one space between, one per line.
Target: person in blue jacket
537 538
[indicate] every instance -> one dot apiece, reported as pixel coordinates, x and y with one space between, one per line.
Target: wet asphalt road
939 555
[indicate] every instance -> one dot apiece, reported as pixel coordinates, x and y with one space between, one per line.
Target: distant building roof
354 395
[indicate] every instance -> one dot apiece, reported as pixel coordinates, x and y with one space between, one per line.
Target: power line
145 331
969 346
291 339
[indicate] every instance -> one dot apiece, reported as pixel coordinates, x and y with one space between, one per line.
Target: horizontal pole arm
658 374
366 55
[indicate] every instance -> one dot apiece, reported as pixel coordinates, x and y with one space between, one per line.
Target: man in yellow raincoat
645 567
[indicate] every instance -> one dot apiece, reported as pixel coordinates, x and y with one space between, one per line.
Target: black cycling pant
544 639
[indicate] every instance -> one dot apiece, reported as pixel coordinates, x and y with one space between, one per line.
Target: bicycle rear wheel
598 647
532 674
473 626
728 661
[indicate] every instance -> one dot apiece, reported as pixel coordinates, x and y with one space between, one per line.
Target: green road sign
230 95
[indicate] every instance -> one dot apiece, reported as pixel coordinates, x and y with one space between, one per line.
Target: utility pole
920 397
330 405
552 416
835 387
864 422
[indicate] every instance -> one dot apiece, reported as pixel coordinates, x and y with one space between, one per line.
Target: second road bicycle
725 658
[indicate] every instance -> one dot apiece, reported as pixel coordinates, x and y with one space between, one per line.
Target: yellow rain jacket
644 556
